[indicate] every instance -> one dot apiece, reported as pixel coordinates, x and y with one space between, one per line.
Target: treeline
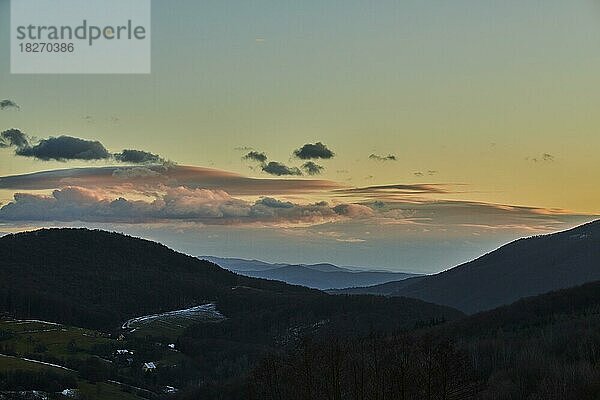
373 368
541 348
261 322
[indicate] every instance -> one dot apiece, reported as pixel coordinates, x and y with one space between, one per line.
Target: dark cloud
138 157
8 104
65 148
389 157
312 168
429 172
279 169
274 203
353 210
314 151
13 138
256 156
545 157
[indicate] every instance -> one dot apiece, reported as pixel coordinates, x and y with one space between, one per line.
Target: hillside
199 322
525 267
100 279
543 347
319 276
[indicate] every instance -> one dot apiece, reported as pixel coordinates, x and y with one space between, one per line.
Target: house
149 367
169 390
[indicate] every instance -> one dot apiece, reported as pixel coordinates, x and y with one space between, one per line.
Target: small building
169 390
149 367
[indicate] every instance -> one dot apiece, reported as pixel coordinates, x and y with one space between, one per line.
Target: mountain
98 279
525 267
383 289
196 323
318 276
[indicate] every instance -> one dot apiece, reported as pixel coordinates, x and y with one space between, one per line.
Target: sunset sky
447 129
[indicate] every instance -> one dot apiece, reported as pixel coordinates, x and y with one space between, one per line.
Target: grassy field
8 363
103 391
25 340
28 337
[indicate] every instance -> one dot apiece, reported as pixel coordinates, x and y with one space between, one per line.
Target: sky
436 131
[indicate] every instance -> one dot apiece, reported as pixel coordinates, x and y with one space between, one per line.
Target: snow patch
205 311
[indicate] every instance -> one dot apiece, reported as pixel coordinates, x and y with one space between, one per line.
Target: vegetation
546 347
276 341
525 267
99 280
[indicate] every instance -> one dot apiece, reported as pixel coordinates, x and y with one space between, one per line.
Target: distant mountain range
317 276
525 267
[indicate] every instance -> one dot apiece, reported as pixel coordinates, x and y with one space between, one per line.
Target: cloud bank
152 177
210 207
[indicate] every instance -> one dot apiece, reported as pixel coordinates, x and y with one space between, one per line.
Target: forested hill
525 267
98 279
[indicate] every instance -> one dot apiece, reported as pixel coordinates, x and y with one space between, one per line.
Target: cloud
210 207
156 176
65 148
135 172
544 157
256 156
399 188
279 169
353 210
8 104
138 157
389 157
13 138
547 157
312 168
314 151
274 203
